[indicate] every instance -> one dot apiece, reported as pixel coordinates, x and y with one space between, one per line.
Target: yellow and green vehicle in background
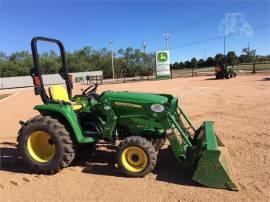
141 122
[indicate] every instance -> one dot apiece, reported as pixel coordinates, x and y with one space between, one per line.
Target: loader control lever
90 91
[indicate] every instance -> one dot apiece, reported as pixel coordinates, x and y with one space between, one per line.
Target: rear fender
68 116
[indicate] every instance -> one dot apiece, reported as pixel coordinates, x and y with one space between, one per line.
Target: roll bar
36 73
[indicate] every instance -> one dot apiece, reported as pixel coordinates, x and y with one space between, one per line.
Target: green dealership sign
163 65
162 56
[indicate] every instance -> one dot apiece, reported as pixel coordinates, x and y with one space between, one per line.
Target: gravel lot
240 108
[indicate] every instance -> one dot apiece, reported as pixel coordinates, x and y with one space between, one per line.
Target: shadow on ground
102 163
210 79
168 169
265 79
10 160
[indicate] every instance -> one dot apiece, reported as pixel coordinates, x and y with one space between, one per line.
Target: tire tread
68 152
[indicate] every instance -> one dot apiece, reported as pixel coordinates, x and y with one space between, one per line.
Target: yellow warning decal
125 104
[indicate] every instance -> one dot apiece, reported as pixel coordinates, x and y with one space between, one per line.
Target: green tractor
141 122
223 71
232 72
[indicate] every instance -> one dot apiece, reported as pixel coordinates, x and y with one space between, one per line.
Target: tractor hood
126 96
136 104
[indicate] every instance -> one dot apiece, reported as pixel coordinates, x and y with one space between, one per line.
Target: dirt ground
240 108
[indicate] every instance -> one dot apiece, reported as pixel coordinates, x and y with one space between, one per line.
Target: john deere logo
162 57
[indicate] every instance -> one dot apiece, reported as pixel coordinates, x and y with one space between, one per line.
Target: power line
196 42
214 38
206 19
195 22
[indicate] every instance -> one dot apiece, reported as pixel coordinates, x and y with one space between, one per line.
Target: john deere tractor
223 71
141 122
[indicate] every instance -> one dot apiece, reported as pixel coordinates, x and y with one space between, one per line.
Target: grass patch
250 67
247 67
2 96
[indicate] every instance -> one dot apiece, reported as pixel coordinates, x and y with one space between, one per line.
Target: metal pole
144 46
111 42
225 50
166 37
254 64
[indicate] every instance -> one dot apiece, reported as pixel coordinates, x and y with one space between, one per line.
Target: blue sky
129 23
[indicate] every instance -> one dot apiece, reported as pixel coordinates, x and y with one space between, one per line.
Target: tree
50 62
127 55
219 58
210 62
174 65
201 63
242 58
19 56
138 60
3 56
188 64
232 58
194 63
182 65
249 54
131 61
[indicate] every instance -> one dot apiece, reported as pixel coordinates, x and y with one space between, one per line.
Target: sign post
163 65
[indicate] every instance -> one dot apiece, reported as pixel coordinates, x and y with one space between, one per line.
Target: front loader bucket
214 168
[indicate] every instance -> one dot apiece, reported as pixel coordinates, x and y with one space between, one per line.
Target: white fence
25 81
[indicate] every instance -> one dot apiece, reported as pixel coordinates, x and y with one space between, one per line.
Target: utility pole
166 37
205 54
253 60
144 46
225 60
111 42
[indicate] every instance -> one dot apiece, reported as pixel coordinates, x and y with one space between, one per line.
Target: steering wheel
90 91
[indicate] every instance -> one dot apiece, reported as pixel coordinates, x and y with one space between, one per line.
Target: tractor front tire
136 156
45 145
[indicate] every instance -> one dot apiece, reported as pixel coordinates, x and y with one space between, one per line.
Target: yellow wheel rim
134 159
40 146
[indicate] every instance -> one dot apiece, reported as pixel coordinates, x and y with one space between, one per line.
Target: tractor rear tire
136 156
45 145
